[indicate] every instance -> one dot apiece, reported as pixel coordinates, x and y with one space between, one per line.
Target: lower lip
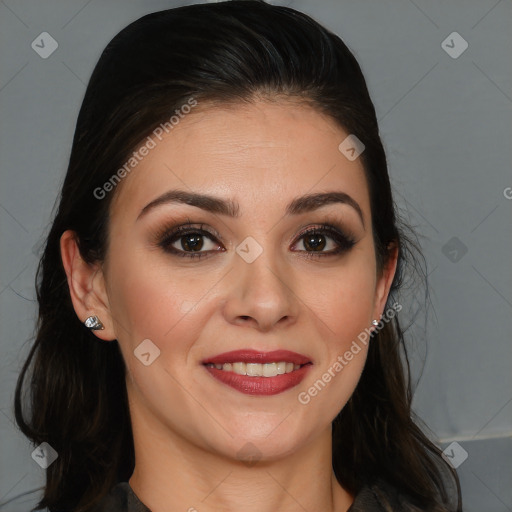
260 385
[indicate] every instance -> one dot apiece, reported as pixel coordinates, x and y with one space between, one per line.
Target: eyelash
170 235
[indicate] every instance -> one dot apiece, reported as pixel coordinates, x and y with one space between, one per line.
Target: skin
188 427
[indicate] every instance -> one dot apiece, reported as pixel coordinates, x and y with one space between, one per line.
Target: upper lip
255 356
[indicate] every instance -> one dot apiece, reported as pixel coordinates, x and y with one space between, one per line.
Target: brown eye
192 242
186 241
316 240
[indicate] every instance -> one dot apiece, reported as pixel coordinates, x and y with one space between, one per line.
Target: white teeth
239 368
257 369
269 369
254 369
281 368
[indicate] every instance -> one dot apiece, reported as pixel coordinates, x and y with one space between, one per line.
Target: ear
385 280
86 286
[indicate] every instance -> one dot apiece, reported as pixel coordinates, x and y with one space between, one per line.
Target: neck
172 471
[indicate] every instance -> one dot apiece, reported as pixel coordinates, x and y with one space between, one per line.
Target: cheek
146 302
151 300
343 307
343 300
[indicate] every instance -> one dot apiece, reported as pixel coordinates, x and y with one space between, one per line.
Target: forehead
259 153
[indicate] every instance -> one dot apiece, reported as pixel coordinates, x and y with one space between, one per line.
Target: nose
259 294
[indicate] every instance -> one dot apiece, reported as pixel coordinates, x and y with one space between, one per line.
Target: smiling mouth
258 369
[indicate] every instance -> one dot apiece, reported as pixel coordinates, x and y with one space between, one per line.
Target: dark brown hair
223 53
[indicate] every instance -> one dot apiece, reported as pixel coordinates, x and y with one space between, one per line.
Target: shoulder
383 497
121 498
378 497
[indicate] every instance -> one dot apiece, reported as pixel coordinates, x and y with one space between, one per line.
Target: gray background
446 125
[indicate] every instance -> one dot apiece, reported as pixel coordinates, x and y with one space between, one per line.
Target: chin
255 442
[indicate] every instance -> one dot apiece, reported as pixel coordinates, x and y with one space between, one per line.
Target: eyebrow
302 204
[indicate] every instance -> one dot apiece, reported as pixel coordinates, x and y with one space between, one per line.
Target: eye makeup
186 239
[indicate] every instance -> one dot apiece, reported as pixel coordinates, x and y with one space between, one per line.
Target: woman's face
250 281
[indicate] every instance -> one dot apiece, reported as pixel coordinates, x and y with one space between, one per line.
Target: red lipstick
253 385
254 356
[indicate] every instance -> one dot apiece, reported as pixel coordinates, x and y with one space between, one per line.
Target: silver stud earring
93 323
375 323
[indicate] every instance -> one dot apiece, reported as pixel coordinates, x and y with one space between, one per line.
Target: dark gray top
370 499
